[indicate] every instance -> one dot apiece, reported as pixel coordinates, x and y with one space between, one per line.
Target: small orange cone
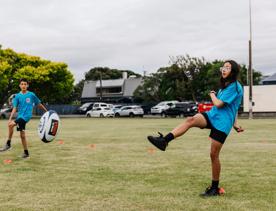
60 142
7 161
151 150
92 146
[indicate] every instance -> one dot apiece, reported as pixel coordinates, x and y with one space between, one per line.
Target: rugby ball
48 126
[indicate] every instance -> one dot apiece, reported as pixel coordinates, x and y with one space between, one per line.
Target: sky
139 35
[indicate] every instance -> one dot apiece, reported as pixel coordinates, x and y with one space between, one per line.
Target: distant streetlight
250 71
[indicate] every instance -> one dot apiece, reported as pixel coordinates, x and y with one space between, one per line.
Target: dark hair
235 69
23 80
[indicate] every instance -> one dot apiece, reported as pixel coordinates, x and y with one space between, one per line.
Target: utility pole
250 72
101 87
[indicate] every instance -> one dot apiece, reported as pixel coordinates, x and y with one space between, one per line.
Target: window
110 90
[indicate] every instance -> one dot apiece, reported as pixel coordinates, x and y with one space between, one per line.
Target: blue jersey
24 104
223 118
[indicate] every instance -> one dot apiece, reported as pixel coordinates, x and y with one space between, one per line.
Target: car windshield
107 109
85 105
160 104
136 107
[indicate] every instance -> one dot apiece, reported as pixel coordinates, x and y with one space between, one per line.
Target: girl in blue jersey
23 103
220 119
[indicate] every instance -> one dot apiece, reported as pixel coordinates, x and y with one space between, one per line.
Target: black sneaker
210 192
5 148
159 142
24 156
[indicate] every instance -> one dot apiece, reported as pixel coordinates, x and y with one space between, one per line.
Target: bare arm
236 126
218 103
42 107
12 114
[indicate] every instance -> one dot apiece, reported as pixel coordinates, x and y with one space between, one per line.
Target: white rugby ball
48 126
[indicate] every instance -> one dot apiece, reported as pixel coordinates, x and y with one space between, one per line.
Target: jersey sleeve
229 94
15 102
36 100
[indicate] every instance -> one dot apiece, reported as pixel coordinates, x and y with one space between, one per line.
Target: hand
239 129
11 123
212 92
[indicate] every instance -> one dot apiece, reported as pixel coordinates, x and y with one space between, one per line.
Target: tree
107 73
52 81
192 67
78 90
188 78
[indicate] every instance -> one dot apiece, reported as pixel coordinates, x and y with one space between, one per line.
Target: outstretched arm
42 107
12 114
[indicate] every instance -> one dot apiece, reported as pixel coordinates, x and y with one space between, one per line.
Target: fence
60 109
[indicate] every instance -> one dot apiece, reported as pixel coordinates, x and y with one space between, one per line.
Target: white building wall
264 97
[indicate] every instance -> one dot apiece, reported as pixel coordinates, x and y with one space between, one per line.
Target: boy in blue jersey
23 103
220 119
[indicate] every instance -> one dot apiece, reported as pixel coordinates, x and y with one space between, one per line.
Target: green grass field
107 164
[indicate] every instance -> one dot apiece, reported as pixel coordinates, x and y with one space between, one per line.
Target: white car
102 105
100 112
161 107
130 111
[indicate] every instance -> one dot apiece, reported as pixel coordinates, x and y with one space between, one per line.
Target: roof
110 83
89 89
270 78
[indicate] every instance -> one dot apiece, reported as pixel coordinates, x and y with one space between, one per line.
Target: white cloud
138 34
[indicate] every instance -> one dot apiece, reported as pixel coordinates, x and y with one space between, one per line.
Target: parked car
161 107
102 105
116 108
6 112
100 112
84 108
182 109
205 106
130 111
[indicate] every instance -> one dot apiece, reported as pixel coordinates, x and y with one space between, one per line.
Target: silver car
6 112
130 111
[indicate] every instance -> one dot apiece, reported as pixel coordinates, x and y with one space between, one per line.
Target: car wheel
117 115
88 115
101 115
163 114
131 114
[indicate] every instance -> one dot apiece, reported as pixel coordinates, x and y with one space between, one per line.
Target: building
263 98
271 80
117 90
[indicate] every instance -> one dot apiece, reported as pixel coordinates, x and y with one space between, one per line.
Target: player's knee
190 121
11 125
22 135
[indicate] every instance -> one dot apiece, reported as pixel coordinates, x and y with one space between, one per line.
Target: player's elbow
219 104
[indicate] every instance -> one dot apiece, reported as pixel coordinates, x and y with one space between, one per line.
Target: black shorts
21 124
214 134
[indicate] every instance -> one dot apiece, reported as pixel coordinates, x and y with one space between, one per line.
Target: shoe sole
1 150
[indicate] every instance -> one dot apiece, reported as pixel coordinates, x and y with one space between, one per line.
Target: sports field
107 164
